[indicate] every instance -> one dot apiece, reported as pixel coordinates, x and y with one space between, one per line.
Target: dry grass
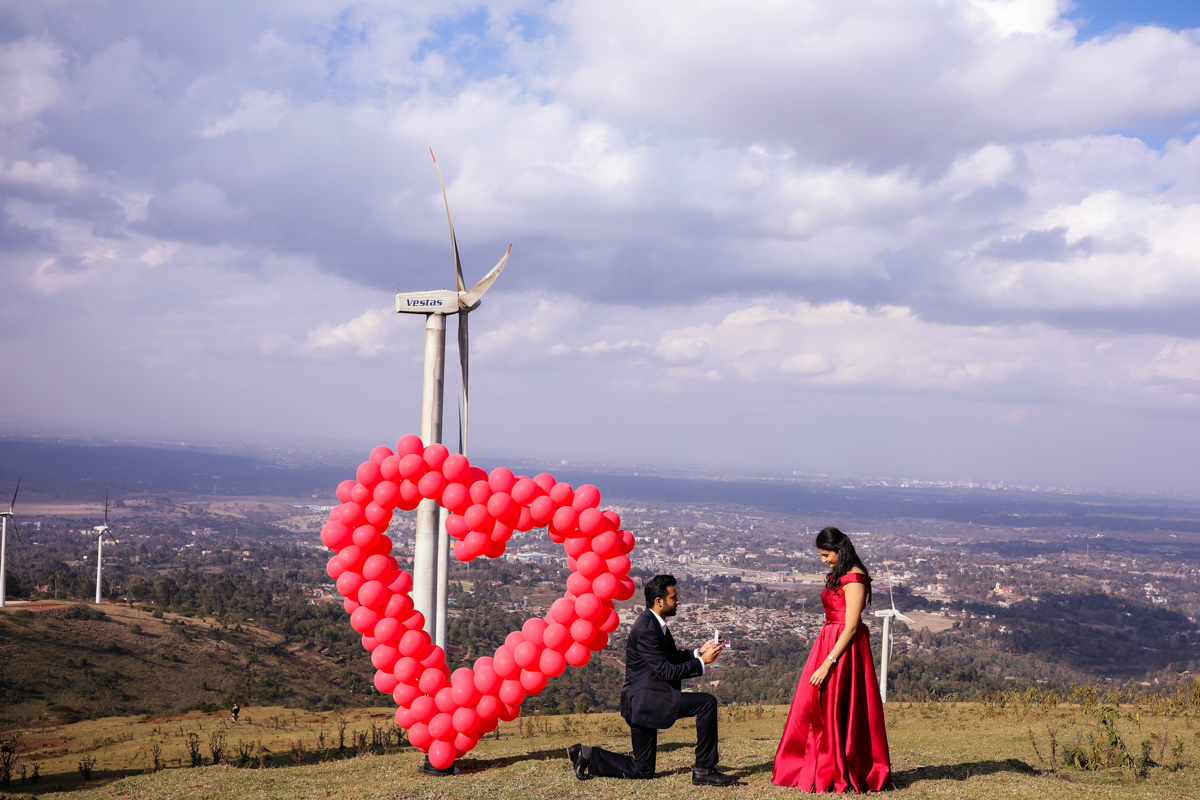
940 750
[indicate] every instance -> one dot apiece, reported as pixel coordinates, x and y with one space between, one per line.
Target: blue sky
927 239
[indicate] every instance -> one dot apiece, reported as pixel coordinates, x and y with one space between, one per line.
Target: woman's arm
856 601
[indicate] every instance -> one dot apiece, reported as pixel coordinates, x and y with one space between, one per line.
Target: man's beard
670 612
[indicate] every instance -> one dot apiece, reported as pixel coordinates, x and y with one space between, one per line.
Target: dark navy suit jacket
654 670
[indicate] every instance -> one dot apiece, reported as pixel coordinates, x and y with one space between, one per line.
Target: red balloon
501 480
334 568
612 520
462 675
456 467
509 712
590 565
475 476
434 658
413 643
562 611
619 565
606 544
480 492
533 630
627 590
526 655
418 736
373 595
404 718
413 467
385 682
445 699
389 468
607 622
465 694
431 485
387 494
542 510
348 583
436 455
384 657
488 706
407 669
351 514
598 642
545 481
383 547
577 546
551 663
465 743
405 694
410 495
504 663
388 631
369 642
410 445
605 586
525 492
583 630
627 542
456 525
349 605
586 496
363 619
524 520
456 498
591 521
486 725
557 538
578 655
532 680
336 535
495 549
500 533
465 720
477 517
565 519
500 505
556 636
512 693
513 639
576 583
380 453
588 606
377 515
368 474
486 679
415 621
562 494
402 583
431 681
441 753
472 545
376 568
343 491
360 494
441 726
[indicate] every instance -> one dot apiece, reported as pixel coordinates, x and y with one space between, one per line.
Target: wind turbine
4 518
886 645
101 532
431 553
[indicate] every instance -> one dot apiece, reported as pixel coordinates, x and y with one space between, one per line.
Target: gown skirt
834 739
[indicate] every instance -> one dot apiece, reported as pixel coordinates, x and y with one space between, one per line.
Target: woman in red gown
834 738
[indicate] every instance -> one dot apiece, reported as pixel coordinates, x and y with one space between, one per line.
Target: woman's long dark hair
835 541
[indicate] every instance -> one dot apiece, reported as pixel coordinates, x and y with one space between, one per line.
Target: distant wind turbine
886 647
5 516
431 551
101 532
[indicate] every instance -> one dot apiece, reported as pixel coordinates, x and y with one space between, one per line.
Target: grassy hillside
939 750
69 662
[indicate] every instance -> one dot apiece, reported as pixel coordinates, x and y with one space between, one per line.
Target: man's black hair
656 587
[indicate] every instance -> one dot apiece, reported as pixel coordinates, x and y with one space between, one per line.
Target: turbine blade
13 505
16 532
458 275
106 508
472 297
906 619
464 351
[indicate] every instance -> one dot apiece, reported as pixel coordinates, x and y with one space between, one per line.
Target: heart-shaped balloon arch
444 713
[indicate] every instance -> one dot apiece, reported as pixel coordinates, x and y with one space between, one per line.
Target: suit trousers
607 764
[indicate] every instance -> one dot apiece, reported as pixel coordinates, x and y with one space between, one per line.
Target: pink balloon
388 631
413 643
583 630
501 480
626 542
465 743
456 498
436 455
405 694
456 467
512 693
504 663
477 517
556 636
488 706
456 525
598 642
431 681
562 611
343 491
410 495
500 533
369 642
418 736
477 542
500 505
444 699
376 568
612 520
465 720
607 622
368 474
441 753
334 568
407 669
441 726
387 494
351 514
628 589
385 682
349 605
336 535
562 494
586 496
545 481
618 565
431 485
605 586
423 708
509 712
384 658
389 468
532 680
577 546
588 606
533 631
526 655
524 520
348 583
413 467
591 521
578 655
465 694
404 718
576 583
399 606
524 492
486 725
542 510
551 663
410 445
565 519
434 658
415 621
360 494
513 639
486 679
591 565
373 595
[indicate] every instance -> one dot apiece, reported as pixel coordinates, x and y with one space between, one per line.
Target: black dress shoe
710 777
578 762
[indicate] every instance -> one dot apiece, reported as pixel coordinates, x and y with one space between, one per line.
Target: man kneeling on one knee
651 699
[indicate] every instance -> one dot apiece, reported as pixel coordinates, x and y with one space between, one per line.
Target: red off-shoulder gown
834 738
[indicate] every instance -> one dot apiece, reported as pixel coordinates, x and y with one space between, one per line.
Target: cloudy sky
935 238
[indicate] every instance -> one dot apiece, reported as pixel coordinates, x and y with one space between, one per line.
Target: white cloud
257 111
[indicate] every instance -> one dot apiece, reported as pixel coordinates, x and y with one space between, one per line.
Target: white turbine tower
886 647
101 532
431 553
5 516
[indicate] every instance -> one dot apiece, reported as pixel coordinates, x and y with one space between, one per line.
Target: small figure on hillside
236 710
